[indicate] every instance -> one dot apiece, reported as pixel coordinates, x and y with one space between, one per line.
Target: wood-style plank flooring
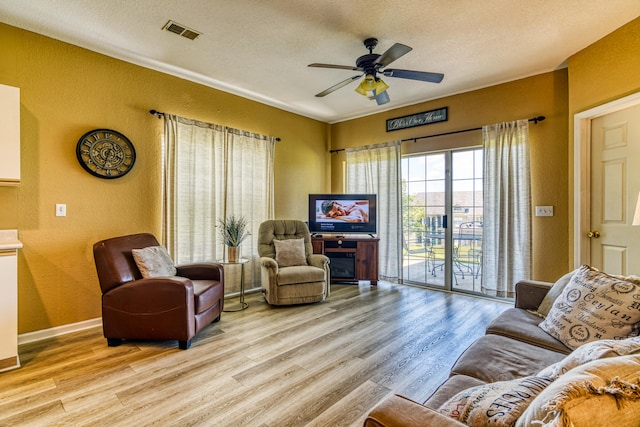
324 364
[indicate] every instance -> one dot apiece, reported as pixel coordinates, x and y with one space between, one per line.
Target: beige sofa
514 347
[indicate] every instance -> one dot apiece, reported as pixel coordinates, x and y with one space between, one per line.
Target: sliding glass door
424 218
466 214
442 219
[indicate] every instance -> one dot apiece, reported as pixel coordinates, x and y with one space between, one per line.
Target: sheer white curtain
211 172
507 207
375 169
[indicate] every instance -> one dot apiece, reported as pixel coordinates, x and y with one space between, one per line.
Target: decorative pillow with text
495 404
594 306
554 292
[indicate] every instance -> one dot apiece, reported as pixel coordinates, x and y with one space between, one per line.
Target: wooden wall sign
420 119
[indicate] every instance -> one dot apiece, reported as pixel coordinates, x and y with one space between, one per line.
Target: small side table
241 262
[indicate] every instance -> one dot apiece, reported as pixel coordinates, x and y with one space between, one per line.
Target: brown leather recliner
161 308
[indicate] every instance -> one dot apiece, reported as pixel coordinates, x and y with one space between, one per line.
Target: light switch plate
61 209
544 210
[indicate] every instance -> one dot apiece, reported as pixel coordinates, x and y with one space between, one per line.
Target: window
212 172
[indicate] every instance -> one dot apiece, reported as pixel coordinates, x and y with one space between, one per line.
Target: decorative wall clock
105 153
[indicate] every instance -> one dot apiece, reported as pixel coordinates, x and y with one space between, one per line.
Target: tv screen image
342 210
342 213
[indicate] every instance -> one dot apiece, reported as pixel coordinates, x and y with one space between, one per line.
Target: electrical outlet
544 210
61 209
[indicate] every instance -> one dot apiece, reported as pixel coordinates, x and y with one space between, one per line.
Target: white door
615 185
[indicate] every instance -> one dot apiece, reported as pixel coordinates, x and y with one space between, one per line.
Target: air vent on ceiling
181 30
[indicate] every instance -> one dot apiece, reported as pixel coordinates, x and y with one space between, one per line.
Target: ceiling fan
373 64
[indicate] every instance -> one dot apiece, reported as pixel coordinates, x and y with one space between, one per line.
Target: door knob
593 234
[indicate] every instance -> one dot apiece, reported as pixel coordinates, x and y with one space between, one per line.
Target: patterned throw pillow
495 404
594 306
592 351
154 261
290 252
554 292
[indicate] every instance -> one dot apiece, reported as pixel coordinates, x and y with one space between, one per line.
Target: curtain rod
535 120
160 114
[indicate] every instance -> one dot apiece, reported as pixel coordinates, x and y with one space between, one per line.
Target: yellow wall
545 94
605 71
67 91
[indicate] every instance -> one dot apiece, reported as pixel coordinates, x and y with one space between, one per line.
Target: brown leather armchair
160 308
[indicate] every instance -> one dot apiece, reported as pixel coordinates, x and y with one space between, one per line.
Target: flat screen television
342 213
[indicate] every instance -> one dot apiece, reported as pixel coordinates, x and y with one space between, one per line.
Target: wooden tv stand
351 258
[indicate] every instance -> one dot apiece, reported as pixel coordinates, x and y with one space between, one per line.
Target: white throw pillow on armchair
154 261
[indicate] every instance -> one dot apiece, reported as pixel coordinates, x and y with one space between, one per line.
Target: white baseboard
44 334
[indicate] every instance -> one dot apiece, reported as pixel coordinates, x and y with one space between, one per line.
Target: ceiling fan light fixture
367 85
361 91
374 88
381 98
381 86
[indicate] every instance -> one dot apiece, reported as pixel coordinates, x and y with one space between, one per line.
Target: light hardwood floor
324 364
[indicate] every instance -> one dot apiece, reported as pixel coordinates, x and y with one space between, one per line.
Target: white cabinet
9 135
9 245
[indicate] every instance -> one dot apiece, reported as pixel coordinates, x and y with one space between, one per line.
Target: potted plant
233 231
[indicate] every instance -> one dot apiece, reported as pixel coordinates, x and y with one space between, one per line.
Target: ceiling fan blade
340 67
414 75
391 54
338 86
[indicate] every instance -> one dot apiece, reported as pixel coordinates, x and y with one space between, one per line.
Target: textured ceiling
260 49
